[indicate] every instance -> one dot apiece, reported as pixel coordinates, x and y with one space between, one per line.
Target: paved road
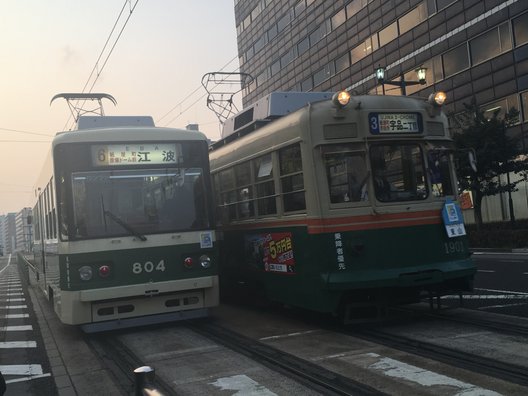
23 358
501 284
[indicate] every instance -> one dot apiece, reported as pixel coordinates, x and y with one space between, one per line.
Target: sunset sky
156 68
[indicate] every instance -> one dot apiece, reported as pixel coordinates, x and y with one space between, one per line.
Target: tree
496 152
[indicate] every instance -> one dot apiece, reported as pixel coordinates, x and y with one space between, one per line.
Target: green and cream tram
338 204
123 224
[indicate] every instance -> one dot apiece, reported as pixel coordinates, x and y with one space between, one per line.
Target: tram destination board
395 123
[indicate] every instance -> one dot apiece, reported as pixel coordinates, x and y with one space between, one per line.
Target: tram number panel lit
395 123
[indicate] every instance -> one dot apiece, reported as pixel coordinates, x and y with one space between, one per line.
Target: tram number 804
149 266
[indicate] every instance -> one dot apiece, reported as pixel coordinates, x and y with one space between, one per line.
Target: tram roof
279 104
127 133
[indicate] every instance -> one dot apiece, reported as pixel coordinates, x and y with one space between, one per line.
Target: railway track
498 369
303 371
121 360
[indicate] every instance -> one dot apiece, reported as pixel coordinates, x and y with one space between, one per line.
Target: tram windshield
438 161
137 202
398 172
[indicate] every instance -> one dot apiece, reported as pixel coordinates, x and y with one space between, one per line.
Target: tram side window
347 176
291 176
398 172
265 186
63 207
226 187
244 191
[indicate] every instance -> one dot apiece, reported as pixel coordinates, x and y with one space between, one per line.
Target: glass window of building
441 4
355 6
342 62
317 34
413 18
520 29
284 22
256 11
455 60
501 106
260 43
288 57
299 8
524 103
323 74
249 53
338 19
438 72
272 32
505 37
388 34
275 67
489 45
363 49
246 22
303 45
307 84
262 77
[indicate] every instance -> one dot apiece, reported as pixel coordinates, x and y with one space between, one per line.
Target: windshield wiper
125 225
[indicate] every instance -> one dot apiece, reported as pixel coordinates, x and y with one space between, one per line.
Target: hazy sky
49 47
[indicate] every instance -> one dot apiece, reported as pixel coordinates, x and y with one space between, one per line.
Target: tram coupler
144 381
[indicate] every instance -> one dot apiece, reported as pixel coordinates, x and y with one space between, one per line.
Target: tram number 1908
149 266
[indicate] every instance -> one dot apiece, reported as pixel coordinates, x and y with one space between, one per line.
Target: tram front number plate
395 122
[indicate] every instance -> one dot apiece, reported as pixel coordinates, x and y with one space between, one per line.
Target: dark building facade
471 48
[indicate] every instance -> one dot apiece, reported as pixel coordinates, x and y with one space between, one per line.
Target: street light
420 72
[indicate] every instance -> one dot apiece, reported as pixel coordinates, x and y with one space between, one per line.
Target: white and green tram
123 225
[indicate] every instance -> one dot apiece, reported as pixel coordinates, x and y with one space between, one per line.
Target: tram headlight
205 261
437 98
85 273
341 98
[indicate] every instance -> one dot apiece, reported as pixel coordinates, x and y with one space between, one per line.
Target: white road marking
16 328
13 307
17 316
18 344
27 378
243 384
486 297
21 369
487 271
288 335
396 369
503 291
502 306
9 300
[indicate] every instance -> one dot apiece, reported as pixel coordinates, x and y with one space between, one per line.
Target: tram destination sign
136 154
395 123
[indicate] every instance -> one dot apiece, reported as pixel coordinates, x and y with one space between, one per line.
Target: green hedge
501 235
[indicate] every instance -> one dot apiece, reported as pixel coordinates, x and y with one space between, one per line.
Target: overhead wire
95 68
188 97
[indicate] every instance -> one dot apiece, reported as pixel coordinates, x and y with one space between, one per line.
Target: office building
471 48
